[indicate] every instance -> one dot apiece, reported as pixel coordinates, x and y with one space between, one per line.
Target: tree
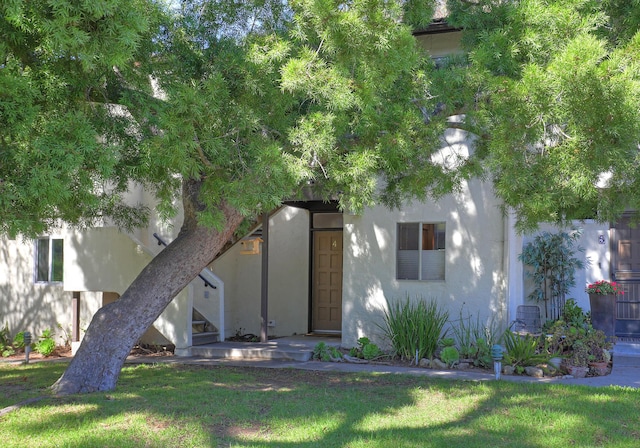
552 88
251 102
237 105
551 266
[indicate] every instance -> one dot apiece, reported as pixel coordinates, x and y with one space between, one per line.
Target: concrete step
206 337
252 351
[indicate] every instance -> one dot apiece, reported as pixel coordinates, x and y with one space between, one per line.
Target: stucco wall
29 306
288 279
474 261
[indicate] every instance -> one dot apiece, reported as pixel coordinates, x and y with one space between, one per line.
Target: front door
625 248
326 294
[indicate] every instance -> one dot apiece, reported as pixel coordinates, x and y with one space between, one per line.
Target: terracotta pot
599 368
603 313
578 371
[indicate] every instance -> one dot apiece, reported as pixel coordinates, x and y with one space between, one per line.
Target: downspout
264 295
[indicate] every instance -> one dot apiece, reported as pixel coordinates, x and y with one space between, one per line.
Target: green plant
65 336
414 327
450 356
523 351
580 355
45 344
324 352
18 340
475 338
552 265
365 350
483 355
6 348
573 315
447 342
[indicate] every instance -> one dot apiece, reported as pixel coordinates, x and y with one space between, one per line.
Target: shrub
324 352
45 345
474 339
450 355
523 351
18 340
6 348
365 350
414 328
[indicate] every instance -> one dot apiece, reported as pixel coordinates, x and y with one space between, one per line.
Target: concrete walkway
625 372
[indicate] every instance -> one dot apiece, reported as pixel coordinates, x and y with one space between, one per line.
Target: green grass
167 406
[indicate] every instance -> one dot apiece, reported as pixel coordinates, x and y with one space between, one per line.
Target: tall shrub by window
552 264
420 251
49 260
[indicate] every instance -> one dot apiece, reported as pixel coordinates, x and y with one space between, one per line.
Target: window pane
408 256
42 260
439 235
433 264
327 221
57 260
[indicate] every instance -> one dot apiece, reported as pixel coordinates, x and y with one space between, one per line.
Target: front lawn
176 405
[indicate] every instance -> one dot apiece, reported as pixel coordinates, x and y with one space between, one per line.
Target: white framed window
49 260
420 251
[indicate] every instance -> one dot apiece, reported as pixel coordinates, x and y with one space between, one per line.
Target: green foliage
523 351
414 327
483 355
18 340
450 355
45 344
552 88
574 316
365 350
324 352
475 338
447 342
551 266
6 348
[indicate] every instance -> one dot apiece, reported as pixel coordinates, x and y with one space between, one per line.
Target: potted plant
602 298
578 362
599 355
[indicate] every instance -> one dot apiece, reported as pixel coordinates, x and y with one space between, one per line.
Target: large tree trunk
116 327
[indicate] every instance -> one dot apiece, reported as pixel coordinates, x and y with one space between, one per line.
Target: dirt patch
64 352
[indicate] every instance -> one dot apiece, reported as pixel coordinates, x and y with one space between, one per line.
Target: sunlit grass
163 405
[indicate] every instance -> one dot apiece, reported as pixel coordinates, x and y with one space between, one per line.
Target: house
328 271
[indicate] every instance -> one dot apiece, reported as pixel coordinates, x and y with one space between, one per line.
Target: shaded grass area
177 405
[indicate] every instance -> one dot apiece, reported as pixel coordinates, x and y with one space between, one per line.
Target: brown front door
326 297
626 271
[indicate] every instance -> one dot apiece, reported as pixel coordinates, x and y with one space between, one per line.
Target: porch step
207 337
253 351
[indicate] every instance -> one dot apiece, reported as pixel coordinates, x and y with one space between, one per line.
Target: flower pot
599 368
578 371
603 313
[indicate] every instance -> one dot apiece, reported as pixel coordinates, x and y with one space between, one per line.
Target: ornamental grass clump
603 287
414 328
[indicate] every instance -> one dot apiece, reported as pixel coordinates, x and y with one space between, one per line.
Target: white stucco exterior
474 274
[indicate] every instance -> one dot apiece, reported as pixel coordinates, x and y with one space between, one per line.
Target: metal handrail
161 242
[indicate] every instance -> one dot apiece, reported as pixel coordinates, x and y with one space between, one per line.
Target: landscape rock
463 366
437 364
424 362
355 360
535 372
508 370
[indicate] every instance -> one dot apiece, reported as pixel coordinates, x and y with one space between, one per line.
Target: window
49 260
421 250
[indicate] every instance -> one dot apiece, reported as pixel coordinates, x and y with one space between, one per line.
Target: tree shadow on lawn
229 406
